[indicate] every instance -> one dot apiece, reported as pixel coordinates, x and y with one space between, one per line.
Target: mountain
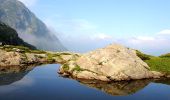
9 36
32 30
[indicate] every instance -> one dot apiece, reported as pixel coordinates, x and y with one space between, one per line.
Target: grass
51 57
65 67
161 63
23 49
77 68
165 55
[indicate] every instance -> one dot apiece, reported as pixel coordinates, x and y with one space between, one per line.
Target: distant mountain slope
9 36
29 27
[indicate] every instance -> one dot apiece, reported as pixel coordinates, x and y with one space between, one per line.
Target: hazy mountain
9 36
29 27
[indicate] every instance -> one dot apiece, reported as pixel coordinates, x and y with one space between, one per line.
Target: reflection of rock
163 81
9 75
117 88
15 69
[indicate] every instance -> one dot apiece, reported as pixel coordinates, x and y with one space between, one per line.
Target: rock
14 56
18 50
168 76
114 62
89 75
9 58
157 74
31 58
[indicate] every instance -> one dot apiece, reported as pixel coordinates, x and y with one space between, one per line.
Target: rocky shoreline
22 56
112 63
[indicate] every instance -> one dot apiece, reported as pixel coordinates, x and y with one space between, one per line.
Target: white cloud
164 32
156 45
78 35
82 35
101 36
145 38
29 3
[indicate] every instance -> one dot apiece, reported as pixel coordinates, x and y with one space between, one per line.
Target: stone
114 63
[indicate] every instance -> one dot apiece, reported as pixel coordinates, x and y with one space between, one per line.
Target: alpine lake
44 83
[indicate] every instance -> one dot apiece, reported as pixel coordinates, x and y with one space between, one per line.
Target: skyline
142 25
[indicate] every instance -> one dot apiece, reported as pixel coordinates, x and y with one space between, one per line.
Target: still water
44 83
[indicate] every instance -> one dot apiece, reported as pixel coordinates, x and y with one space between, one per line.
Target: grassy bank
161 63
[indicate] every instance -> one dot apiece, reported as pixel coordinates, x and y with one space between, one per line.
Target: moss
65 67
50 57
77 68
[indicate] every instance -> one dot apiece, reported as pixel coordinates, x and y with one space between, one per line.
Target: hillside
9 36
29 27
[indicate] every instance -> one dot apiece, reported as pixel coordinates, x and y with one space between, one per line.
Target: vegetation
165 55
143 56
77 68
9 36
161 63
51 57
65 67
21 48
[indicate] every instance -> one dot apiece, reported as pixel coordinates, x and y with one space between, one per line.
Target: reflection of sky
44 83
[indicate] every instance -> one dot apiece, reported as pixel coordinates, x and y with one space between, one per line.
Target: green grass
77 68
161 63
65 67
9 48
165 55
51 57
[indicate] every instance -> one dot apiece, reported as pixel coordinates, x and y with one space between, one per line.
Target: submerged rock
112 63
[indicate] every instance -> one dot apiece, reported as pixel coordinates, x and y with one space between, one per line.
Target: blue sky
90 24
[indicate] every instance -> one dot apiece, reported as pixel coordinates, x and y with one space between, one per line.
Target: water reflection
11 74
117 88
46 77
124 87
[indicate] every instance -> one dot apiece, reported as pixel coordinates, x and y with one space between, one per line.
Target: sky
84 25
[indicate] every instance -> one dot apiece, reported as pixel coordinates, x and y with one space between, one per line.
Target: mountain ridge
31 29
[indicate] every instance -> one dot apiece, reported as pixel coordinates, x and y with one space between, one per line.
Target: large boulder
114 62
